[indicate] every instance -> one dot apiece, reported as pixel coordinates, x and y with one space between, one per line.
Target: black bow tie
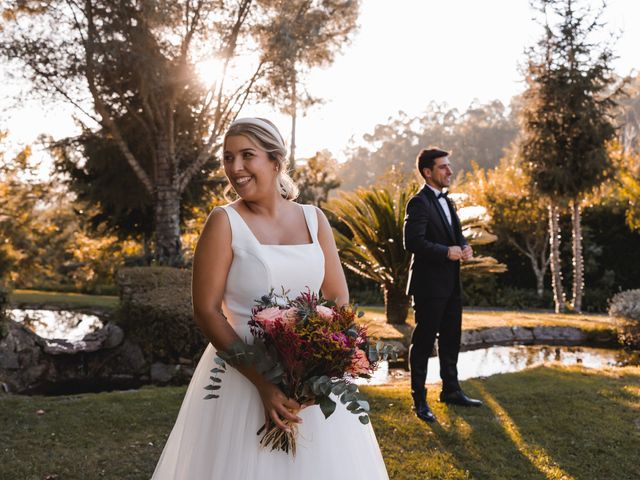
443 195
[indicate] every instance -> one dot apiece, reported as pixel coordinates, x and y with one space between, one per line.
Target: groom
432 233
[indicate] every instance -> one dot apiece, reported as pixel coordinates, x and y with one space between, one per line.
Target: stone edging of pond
474 339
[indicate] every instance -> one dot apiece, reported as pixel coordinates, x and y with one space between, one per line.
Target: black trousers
441 317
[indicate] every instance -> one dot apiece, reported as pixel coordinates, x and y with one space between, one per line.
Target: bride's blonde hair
267 136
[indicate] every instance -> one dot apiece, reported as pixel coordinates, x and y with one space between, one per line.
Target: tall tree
126 62
92 166
302 34
567 124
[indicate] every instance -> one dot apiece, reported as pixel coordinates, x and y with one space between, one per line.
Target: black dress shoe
424 413
459 398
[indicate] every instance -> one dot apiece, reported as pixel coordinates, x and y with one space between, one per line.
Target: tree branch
102 109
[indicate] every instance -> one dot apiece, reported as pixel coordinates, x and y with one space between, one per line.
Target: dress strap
311 216
241 236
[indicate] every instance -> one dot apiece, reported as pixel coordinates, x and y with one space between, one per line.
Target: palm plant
474 220
372 247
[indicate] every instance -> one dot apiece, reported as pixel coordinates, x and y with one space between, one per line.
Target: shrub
625 307
156 312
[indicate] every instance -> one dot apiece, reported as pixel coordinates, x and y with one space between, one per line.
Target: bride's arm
334 286
211 264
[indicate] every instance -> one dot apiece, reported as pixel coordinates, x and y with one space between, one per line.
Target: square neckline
306 222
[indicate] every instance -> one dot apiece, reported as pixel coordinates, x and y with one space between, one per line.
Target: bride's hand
278 407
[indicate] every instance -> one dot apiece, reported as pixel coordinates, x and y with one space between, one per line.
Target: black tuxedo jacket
428 236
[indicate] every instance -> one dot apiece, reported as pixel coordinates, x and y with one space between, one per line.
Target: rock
185 361
162 373
559 335
109 336
471 339
497 336
30 364
400 348
8 359
523 335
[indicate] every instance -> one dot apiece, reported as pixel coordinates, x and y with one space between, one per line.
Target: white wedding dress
216 439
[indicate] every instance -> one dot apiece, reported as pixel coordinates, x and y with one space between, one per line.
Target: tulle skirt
217 438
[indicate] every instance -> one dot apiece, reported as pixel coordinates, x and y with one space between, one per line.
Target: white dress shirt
443 203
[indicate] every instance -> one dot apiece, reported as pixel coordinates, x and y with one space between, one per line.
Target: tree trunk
578 261
294 109
539 273
167 210
556 266
396 304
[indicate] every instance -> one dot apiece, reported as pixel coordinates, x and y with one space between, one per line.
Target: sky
405 54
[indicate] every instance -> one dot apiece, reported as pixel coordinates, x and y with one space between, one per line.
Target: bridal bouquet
312 349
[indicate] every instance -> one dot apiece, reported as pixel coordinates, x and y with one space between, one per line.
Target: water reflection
492 360
72 326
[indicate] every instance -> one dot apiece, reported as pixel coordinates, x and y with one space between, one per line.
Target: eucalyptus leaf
339 388
211 395
364 419
327 406
217 370
348 397
352 388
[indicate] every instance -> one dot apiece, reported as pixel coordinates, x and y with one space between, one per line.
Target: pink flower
341 338
359 364
268 317
324 312
290 316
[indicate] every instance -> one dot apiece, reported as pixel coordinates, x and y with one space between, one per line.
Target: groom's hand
467 253
454 254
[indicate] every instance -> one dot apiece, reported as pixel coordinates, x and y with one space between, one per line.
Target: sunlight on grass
536 454
540 424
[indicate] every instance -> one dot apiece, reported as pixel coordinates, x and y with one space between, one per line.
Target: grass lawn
545 423
375 318
62 300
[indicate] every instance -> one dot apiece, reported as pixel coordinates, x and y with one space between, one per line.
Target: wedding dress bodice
258 268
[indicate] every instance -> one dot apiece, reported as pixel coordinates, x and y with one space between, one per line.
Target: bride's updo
266 136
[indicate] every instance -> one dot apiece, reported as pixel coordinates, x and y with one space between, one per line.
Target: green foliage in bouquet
312 349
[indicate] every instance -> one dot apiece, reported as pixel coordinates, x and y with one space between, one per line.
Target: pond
492 360
71 326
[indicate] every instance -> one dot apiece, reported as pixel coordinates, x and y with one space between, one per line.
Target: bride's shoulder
310 207
218 217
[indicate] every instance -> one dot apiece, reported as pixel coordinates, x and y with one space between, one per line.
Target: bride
261 241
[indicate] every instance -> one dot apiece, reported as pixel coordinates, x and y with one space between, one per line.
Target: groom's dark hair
427 158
